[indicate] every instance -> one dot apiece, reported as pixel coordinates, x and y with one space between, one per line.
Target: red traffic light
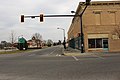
41 17
22 18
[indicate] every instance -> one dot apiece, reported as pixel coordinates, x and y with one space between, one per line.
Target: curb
78 54
91 54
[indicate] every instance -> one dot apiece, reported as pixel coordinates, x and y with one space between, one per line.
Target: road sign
21 40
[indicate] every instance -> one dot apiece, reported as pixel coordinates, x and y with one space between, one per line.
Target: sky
11 10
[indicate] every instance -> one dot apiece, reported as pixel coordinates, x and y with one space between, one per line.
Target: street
49 64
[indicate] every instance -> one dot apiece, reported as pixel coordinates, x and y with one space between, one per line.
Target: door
105 44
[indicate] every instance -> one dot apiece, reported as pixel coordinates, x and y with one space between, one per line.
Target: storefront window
98 43
91 43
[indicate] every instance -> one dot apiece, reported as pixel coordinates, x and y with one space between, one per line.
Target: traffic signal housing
41 17
22 18
88 2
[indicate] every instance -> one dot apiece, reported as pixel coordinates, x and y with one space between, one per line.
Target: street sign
21 40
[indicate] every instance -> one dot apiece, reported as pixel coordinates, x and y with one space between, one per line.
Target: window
98 43
112 17
91 43
97 17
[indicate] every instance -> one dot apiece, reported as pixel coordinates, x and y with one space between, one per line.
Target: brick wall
114 45
99 18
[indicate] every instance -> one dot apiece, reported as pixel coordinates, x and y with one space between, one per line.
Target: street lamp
64 42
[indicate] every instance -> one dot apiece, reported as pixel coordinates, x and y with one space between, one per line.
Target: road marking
53 51
75 58
32 55
99 56
62 50
58 55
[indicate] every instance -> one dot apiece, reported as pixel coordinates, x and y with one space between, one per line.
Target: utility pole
81 25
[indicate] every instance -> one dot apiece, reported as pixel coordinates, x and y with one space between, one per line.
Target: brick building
101 27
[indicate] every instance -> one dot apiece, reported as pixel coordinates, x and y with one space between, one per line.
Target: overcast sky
10 11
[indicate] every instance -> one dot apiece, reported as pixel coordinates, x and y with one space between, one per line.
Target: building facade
101 27
35 43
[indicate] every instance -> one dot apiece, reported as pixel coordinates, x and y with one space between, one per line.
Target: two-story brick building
101 27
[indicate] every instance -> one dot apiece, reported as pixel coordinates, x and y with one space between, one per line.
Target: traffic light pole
82 35
81 26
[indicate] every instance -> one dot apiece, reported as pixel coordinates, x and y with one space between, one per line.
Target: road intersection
44 64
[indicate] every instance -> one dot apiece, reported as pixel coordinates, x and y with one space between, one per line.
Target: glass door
105 44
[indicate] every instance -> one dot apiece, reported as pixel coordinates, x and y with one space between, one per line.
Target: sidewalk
3 50
75 52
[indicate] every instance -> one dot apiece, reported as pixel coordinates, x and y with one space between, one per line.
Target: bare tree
117 31
49 42
38 38
13 37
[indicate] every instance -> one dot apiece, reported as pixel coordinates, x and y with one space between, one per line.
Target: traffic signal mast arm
76 15
52 16
42 16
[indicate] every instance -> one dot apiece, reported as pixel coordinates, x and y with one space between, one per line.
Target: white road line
75 58
99 56
53 51
32 55
63 51
58 55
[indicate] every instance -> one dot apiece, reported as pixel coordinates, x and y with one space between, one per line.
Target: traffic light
88 2
22 18
41 17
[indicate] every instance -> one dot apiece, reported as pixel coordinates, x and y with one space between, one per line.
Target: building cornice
101 3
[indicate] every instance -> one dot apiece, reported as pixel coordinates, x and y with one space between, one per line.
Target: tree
38 38
117 30
13 37
49 42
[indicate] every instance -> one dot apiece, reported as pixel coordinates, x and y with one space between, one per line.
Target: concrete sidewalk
3 50
76 52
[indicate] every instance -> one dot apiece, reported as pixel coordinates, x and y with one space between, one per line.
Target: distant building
101 27
6 45
35 43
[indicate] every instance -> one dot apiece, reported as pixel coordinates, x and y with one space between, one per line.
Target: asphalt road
49 64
